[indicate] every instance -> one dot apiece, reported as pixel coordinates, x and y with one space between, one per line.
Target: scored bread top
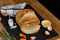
27 16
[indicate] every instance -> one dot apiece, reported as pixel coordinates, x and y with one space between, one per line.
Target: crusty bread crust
33 18
28 21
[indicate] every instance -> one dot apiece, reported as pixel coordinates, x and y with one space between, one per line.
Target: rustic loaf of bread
27 20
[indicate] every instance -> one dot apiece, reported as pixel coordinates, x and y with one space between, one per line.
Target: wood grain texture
10 2
58 39
54 38
6 2
43 12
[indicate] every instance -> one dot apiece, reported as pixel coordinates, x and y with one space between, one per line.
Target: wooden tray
40 9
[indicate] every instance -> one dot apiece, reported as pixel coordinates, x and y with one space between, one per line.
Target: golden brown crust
30 19
22 12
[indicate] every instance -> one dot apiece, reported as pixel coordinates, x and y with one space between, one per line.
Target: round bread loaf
28 20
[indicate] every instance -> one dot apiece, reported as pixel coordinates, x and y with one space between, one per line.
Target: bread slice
31 30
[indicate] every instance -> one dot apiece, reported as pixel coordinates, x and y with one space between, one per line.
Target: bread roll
27 19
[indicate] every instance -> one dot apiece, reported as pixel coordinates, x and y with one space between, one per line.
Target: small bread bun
31 30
